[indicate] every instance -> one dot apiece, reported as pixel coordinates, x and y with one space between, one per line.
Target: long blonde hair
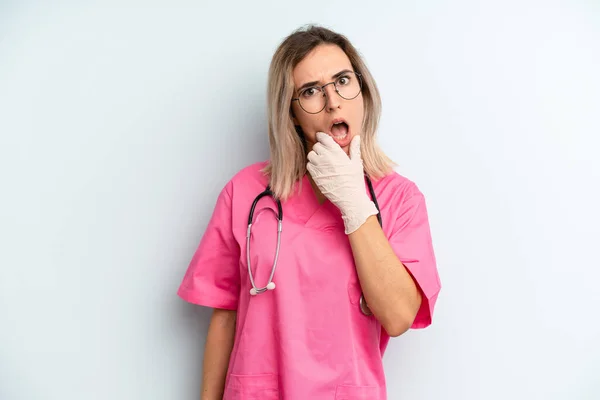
288 158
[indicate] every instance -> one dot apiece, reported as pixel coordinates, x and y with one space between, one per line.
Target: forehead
320 64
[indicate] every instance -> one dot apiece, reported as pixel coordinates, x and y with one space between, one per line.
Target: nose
332 98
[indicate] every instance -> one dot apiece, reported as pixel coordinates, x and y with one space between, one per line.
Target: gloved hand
341 179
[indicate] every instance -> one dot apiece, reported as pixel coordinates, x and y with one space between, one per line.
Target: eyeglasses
313 99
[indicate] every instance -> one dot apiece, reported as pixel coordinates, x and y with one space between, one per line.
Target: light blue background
120 122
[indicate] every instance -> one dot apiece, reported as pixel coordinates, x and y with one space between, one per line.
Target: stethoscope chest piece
364 307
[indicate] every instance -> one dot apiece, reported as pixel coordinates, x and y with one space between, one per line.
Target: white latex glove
341 179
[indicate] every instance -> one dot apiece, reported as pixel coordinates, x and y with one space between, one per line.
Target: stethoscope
279 214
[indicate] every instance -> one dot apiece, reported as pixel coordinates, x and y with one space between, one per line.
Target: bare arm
217 350
390 291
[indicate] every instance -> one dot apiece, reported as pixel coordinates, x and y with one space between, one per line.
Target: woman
315 324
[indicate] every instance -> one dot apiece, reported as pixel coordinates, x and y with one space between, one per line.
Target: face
341 119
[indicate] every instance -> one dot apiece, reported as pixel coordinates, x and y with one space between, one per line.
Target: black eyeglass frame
322 88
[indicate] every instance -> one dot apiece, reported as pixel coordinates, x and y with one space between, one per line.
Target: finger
355 148
326 140
311 169
318 148
312 157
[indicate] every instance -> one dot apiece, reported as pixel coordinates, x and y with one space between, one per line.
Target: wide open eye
310 92
344 80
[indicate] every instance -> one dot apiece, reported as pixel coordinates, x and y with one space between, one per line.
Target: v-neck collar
307 210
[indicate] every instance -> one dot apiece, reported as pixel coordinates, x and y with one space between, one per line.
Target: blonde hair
288 155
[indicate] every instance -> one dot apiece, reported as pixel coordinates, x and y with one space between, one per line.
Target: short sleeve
212 278
412 243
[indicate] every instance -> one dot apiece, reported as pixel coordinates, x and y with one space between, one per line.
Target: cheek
309 127
299 117
359 109
311 138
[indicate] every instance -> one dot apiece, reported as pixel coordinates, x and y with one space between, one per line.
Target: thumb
355 148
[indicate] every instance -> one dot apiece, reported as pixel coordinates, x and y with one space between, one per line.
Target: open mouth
339 130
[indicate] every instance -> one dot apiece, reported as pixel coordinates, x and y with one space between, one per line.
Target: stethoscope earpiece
270 286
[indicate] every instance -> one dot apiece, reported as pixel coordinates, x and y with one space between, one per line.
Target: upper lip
335 121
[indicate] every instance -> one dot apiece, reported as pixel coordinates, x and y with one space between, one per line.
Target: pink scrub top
308 338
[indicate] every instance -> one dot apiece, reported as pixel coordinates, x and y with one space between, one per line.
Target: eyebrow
309 84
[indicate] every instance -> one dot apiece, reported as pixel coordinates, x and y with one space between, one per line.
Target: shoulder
401 201
396 187
251 172
248 179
